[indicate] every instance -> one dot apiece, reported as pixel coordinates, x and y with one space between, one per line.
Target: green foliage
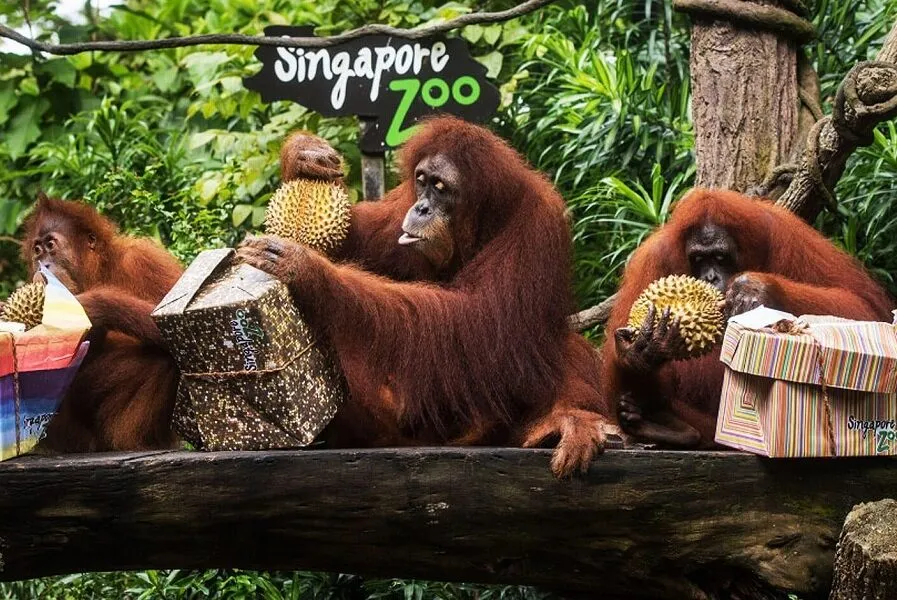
250 585
849 31
602 104
866 222
122 158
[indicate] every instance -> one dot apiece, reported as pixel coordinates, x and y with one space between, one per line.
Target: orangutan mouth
407 239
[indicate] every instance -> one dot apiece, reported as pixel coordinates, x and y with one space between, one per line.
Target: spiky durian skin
25 305
313 213
697 305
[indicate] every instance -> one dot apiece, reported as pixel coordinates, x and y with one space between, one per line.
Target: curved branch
475 18
866 97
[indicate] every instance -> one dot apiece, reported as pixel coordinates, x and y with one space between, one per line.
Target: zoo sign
390 82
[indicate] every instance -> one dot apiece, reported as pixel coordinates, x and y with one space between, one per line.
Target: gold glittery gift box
253 376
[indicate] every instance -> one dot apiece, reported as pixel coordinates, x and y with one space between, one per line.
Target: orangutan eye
51 245
421 177
439 186
37 250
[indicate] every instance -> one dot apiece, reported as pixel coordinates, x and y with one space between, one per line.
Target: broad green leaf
73 33
60 70
491 34
165 79
492 62
231 85
24 129
209 185
29 86
202 66
258 216
8 100
81 61
241 213
201 138
512 34
472 33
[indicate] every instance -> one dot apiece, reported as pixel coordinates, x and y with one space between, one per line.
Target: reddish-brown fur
482 354
123 394
806 273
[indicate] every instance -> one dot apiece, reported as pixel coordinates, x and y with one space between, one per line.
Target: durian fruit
313 213
694 302
25 305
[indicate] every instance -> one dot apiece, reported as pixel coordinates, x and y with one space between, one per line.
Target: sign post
373 170
390 83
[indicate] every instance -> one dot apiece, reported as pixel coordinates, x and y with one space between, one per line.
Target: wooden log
866 559
640 524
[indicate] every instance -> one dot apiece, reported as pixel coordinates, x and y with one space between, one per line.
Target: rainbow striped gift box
36 367
773 402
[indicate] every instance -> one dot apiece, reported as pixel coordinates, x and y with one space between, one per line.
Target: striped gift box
772 400
36 367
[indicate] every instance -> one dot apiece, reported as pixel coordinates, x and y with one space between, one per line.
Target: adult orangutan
754 252
123 394
447 304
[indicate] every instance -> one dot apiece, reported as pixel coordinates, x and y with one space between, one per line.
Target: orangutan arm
750 290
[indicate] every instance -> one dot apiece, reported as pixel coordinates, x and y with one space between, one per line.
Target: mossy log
639 524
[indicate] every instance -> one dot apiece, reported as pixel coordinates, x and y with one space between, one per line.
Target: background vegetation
170 145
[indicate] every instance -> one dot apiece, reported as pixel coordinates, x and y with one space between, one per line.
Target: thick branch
866 97
597 315
747 13
417 33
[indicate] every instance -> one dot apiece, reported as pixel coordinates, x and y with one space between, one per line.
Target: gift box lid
855 355
186 295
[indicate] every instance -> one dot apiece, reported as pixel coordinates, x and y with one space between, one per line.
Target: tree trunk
866 559
745 102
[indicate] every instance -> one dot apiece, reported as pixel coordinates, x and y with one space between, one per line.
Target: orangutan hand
307 156
580 436
276 256
746 292
644 350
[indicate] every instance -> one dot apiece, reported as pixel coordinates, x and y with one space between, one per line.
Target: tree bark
866 559
744 102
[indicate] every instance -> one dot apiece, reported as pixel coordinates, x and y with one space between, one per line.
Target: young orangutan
123 394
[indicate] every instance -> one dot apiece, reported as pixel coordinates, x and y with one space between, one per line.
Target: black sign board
392 82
